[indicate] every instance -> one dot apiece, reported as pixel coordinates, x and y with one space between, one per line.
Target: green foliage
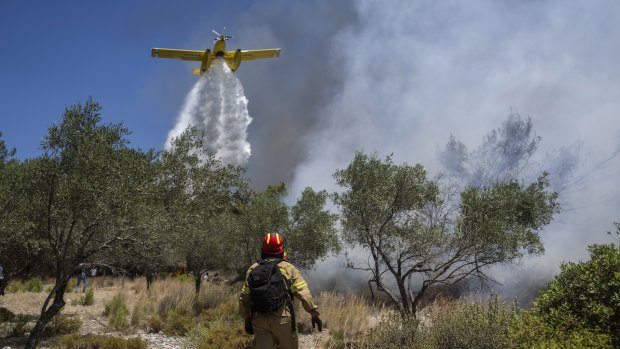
501 222
220 327
62 324
472 325
410 226
177 323
88 298
456 325
91 341
155 324
529 330
34 285
116 311
20 326
16 286
185 278
6 315
311 234
585 295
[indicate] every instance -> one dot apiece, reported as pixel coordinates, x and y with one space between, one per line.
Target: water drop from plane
217 105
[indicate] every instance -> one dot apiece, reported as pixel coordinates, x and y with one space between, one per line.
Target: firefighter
267 306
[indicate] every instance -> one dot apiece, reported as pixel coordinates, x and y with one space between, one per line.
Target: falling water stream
217 106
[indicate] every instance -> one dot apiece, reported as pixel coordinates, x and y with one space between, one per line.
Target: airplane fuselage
219 48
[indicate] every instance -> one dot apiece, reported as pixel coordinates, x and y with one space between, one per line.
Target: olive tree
86 196
417 236
307 226
194 188
17 246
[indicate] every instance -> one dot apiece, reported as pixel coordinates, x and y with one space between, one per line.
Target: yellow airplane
233 58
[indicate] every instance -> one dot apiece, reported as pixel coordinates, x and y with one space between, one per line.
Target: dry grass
347 316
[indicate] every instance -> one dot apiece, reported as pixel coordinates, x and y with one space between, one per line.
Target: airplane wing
248 55
186 55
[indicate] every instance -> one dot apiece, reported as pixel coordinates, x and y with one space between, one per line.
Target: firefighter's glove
316 321
248 326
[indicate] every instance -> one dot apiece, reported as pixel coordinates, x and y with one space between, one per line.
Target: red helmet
273 244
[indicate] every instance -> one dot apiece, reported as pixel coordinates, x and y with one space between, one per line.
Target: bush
585 295
88 298
155 324
91 341
185 278
218 335
34 285
16 286
222 327
459 324
116 312
62 324
6 315
472 325
177 323
530 331
19 326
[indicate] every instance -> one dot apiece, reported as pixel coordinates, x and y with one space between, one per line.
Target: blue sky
55 53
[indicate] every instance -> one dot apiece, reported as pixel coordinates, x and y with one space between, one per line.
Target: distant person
150 274
206 277
265 302
93 272
81 277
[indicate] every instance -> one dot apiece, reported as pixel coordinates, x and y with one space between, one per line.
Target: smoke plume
217 106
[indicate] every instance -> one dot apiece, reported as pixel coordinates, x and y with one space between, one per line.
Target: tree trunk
403 295
197 280
48 314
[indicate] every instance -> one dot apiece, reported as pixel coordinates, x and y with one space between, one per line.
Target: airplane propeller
221 36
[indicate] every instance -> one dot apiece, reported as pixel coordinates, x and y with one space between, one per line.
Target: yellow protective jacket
294 282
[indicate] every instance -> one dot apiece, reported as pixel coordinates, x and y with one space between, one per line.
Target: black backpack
267 286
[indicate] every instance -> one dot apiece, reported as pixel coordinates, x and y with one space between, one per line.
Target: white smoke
415 72
218 108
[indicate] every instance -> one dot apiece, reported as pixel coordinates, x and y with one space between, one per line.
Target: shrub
19 326
62 324
530 331
91 341
155 324
585 295
472 325
116 312
222 327
220 335
113 305
140 309
455 324
88 298
177 323
16 286
185 278
392 332
6 315
34 285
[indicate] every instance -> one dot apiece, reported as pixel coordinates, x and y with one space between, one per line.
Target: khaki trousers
274 331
